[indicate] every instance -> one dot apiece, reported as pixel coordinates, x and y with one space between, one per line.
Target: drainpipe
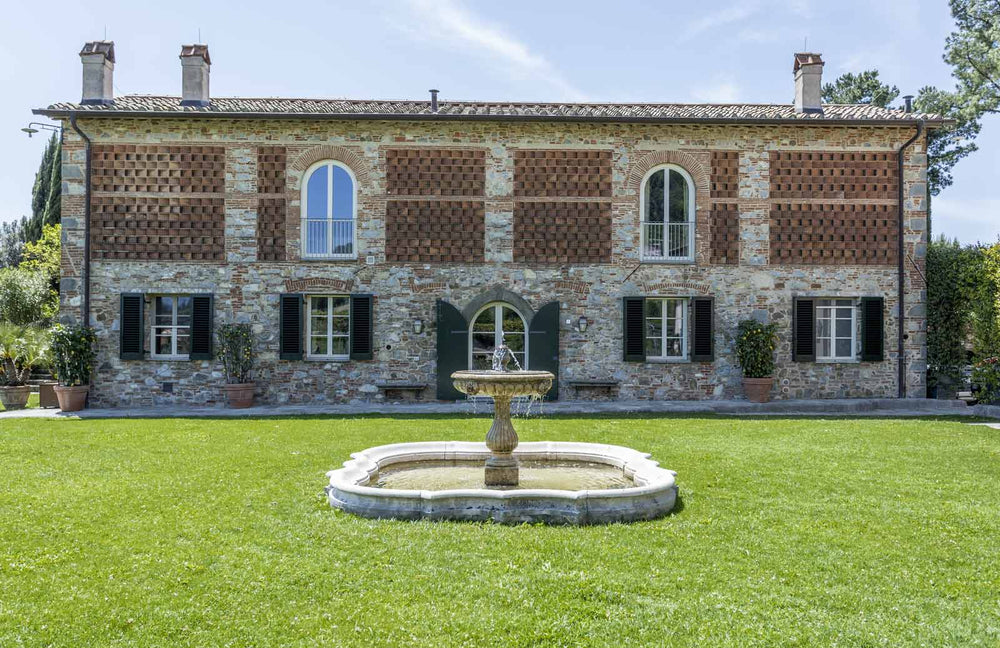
901 256
86 220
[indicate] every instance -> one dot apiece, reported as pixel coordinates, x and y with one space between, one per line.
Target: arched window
495 323
667 211
329 209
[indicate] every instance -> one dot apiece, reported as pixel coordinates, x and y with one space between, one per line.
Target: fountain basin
652 494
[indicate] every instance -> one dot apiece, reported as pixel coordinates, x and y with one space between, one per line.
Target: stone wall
743 275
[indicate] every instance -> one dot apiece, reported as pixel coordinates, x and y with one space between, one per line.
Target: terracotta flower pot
239 395
72 399
758 390
14 398
47 394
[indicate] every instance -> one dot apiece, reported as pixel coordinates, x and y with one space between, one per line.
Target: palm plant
22 348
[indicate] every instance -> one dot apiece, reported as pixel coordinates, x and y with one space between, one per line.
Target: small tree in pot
237 355
755 352
72 364
21 349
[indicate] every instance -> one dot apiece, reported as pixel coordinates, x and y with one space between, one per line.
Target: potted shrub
21 349
72 364
755 353
237 355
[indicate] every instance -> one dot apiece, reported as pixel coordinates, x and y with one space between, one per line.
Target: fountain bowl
503 383
654 493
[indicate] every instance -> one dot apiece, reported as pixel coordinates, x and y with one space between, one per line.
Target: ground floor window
171 327
495 324
328 326
835 329
666 329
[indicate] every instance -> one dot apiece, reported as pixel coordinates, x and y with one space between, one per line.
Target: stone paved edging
831 407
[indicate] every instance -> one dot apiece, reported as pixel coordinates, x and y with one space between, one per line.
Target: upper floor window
329 212
667 213
171 327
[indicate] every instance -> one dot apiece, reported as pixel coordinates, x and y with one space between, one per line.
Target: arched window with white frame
667 213
329 211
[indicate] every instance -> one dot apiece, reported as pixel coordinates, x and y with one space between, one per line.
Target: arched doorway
493 324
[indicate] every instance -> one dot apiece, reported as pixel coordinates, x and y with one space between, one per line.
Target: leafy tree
25 297
973 51
11 242
862 88
43 256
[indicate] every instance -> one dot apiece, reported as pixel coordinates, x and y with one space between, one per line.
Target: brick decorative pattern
725 174
271 169
137 168
833 175
725 234
833 234
164 229
271 234
435 231
562 232
562 174
435 172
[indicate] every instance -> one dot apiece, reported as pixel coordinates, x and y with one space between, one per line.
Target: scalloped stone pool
562 483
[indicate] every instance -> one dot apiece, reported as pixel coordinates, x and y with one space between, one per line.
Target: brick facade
444 213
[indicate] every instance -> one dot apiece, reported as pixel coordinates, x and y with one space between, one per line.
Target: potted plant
21 349
237 355
72 364
755 353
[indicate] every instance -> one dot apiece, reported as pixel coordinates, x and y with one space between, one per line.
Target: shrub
236 352
986 376
73 354
25 297
755 348
22 349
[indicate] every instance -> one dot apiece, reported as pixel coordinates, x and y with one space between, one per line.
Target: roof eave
131 114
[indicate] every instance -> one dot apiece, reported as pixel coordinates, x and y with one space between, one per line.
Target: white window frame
685 329
690 222
304 212
174 328
829 312
329 334
498 327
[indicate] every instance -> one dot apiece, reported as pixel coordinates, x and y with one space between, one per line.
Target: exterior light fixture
418 326
31 131
581 325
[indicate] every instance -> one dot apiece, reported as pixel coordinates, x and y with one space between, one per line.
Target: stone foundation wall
247 288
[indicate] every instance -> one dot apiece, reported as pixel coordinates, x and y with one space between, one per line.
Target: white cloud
715 19
723 91
444 22
741 12
970 220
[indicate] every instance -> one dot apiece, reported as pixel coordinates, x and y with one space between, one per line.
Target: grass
847 532
32 401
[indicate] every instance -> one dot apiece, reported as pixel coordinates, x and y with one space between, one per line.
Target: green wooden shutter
543 344
702 330
133 323
452 349
872 329
202 316
804 329
290 328
362 327
633 327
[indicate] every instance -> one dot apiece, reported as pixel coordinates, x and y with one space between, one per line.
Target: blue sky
724 51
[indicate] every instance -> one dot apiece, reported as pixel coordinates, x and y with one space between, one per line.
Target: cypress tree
40 192
53 205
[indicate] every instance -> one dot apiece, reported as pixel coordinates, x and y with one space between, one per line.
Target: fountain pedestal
502 386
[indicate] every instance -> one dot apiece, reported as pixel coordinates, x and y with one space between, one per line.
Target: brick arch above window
697 168
347 156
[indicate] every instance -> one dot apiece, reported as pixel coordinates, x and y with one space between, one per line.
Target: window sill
838 361
666 261
328 258
309 358
170 358
667 360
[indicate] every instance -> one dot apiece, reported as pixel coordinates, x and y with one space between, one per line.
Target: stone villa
378 246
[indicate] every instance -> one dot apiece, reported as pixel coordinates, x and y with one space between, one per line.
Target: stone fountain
554 482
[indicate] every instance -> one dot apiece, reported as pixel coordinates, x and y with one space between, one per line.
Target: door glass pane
343 194
520 360
481 361
843 348
514 341
678 198
486 321
316 194
512 321
654 198
316 233
483 342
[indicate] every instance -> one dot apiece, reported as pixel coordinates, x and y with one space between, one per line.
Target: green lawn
852 532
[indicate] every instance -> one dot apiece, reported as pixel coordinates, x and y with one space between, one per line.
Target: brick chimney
98 59
808 71
195 64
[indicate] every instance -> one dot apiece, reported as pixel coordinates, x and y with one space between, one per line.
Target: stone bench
594 388
402 390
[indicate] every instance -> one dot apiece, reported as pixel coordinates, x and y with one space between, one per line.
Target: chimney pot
98 59
908 102
808 70
434 100
195 67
